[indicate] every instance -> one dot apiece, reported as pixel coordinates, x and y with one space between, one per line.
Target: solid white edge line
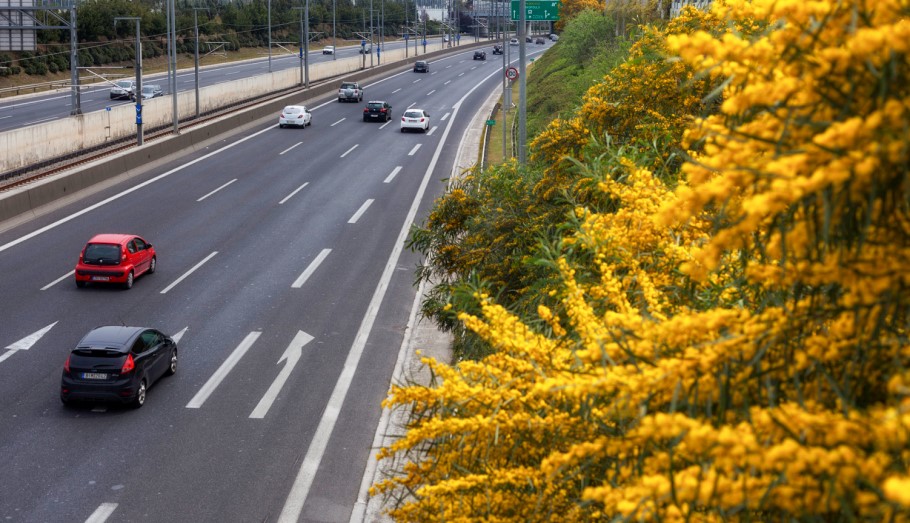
101 513
414 150
289 148
223 370
382 428
338 122
297 190
187 273
311 268
349 150
216 190
363 208
391 176
293 506
58 280
132 189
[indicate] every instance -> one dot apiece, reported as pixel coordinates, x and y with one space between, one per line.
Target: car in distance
377 110
480 55
295 115
528 39
329 49
150 91
115 258
366 48
497 49
350 91
513 41
123 89
554 37
539 41
415 119
117 364
421 66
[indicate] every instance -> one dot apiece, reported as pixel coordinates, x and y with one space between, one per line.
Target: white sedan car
329 49
415 119
296 115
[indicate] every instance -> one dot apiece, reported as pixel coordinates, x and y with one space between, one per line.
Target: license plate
101 278
94 375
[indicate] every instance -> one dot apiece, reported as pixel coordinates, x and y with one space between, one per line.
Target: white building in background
677 5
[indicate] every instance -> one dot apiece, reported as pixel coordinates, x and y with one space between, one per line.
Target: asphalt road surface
28 110
283 275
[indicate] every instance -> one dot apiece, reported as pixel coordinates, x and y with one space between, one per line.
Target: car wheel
66 402
281 126
172 367
139 400
80 284
128 284
153 265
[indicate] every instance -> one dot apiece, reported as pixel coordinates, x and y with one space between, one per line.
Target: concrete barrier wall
35 143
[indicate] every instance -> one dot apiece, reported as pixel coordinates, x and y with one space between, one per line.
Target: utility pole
270 36
522 86
334 47
75 97
173 65
304 44
196 60
138 76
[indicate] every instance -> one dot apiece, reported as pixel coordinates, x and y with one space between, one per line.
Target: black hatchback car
377 110
480 55
117 364
497 49
421 66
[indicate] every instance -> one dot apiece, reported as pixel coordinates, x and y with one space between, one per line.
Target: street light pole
305 44
270 36
138 76
173 65
196 61
334 46
522 86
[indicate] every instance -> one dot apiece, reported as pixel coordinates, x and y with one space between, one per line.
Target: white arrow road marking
390 177
101 513
311 268
293 354
26 342
223 371
179 335
187 273
363 208
58 280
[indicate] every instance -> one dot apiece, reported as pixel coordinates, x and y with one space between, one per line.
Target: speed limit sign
511 73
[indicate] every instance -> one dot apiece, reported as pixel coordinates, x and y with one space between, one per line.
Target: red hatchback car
115 258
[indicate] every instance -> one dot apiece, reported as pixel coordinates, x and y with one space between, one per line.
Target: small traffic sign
406 36
363 43
511 73
537 10
491 122
424 42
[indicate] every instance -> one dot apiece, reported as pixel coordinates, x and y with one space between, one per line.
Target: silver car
150 91
123 89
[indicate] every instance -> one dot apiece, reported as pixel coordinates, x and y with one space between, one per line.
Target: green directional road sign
537 10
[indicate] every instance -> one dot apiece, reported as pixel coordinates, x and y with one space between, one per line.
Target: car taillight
128 365
301 116
382 110
366 109
66 366
281 115
421 120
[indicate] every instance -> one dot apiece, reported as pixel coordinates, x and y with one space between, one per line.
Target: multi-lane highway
24 111
283 275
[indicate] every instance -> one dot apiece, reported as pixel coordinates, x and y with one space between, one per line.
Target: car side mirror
148 245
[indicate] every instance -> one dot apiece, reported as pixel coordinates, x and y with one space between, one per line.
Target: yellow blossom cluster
731 346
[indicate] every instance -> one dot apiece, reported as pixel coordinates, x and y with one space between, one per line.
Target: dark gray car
117 364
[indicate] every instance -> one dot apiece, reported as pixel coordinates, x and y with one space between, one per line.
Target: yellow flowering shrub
732 347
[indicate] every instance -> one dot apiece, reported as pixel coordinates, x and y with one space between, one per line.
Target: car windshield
102 254
148 89
413 114
291 110
125 84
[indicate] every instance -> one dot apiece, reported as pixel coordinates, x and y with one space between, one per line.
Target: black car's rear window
375 105
98 352
102 254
